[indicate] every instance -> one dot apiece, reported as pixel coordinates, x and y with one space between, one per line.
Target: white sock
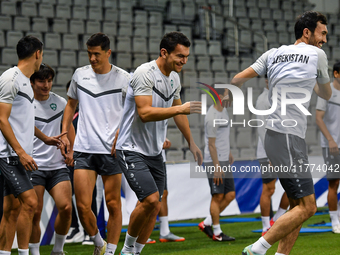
97 239
164 225
279 253
5 252
23 251
34 248
110 249
138 248
334 218
129 244
265 223
217 229
261 246
59 242
279 213
208 221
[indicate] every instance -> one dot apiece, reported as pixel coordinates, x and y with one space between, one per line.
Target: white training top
48 117
16 89
331 117
100 107
262 103
147 138
220 132
294 66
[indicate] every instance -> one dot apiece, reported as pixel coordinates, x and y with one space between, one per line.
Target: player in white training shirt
99 88
16 145
298 69
217 156
53 174
328 121
152 97
268 178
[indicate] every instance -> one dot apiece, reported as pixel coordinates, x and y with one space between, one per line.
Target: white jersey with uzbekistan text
294 66
262 103
220 132
331 117
48 117
147 138
16 89
100 99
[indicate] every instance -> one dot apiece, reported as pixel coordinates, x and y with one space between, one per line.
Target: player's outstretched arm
70 108
7 131
333 147
183 125
148 113
218 174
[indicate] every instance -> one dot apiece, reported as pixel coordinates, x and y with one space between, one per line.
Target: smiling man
99 88
152 97
304 67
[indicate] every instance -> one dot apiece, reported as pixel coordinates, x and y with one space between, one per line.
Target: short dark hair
99 39
27 46
170 41
309 20
336 67
45 72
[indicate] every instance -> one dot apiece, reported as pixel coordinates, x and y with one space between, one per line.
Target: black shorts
333 165
289 152
49 179
267 177
228 180
145 174
166 177
103 164
16 179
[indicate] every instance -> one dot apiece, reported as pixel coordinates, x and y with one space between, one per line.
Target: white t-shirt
262 103
147 138
100 99
294 66
220 132
48 117
331 117
16 89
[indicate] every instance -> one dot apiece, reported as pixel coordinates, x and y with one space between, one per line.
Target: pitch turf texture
197 243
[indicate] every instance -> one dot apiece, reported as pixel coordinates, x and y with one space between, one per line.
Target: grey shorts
333 165
145 174
103 164
267 177
49 179
228 180
288 155
166 177
16 179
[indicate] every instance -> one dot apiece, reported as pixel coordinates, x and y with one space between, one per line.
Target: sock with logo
138 248
110 249
129 244
164 226
265 223
260 246
59 243
217 229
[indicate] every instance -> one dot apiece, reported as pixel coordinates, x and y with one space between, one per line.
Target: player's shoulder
58 99
121 72
81 70
10 75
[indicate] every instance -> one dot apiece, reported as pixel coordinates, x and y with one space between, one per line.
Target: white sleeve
322 69
8 90
142 83
260 105
178 90
210 129
72 91
260 65
321 104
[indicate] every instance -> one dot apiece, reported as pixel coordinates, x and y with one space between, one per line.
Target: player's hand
27 161
192 107
227 100
218 177
55 140
166 144
67 146
333 148
113 149
69 158
197 154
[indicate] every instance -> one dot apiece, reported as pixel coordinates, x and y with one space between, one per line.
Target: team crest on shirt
53 106
172 83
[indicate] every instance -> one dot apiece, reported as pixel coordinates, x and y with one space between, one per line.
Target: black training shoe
222 238
206 229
